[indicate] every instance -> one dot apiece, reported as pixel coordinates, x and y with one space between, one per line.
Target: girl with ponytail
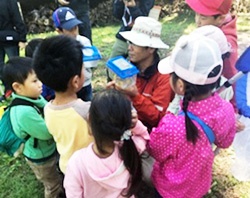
110 166
181 144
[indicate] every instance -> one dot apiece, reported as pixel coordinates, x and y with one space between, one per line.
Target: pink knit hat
210 7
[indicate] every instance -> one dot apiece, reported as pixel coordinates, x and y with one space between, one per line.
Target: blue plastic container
91 54
125 72
121 67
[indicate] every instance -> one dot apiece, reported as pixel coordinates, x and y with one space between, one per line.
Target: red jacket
154 96
229 29
229 70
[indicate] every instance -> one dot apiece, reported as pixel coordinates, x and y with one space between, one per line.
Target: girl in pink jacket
111 166
181 145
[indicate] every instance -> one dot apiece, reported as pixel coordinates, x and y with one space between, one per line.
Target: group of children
100 142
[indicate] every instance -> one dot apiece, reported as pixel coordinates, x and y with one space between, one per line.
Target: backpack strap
19 101
208 131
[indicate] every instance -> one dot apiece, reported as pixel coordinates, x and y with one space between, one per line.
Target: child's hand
239 126
134 118
63 2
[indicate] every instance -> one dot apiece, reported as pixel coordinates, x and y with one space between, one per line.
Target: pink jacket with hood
229 29
90 176
181 168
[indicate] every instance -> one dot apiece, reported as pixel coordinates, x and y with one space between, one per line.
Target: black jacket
80 7
142 8
10 19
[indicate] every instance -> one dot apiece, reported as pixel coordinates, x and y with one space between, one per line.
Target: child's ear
17 87
180 85
89 129
75 82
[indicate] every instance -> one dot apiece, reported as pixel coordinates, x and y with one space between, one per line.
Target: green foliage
176 25
17 179
243 23
103 38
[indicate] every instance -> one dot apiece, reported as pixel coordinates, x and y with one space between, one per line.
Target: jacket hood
229 26
109 172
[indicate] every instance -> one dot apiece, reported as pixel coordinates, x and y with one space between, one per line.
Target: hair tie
126 135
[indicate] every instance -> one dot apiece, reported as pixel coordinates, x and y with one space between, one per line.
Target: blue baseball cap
65 18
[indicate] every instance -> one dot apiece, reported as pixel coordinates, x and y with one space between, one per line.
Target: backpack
9 142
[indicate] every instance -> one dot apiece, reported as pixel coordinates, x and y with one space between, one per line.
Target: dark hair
191 91
216 16
156 52
16 69
226 55
57 60
109 117
32 46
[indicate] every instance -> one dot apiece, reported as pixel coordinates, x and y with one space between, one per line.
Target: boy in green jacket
27 121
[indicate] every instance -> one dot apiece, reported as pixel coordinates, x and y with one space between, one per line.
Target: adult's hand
21 45
129 3
63 2
110 85
130 91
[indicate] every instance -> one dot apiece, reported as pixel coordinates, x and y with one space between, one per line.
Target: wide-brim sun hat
193 59
145 32
210 7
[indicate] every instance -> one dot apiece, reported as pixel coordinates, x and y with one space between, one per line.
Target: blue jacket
242 95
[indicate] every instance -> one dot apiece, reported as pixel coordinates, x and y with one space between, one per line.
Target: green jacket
27 121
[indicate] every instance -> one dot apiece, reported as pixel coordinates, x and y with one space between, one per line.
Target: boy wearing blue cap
66 23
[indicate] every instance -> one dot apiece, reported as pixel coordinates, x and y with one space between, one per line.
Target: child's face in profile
202 20
73 32
32 86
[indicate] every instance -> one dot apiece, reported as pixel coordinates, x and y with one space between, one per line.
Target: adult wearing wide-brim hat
152 93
